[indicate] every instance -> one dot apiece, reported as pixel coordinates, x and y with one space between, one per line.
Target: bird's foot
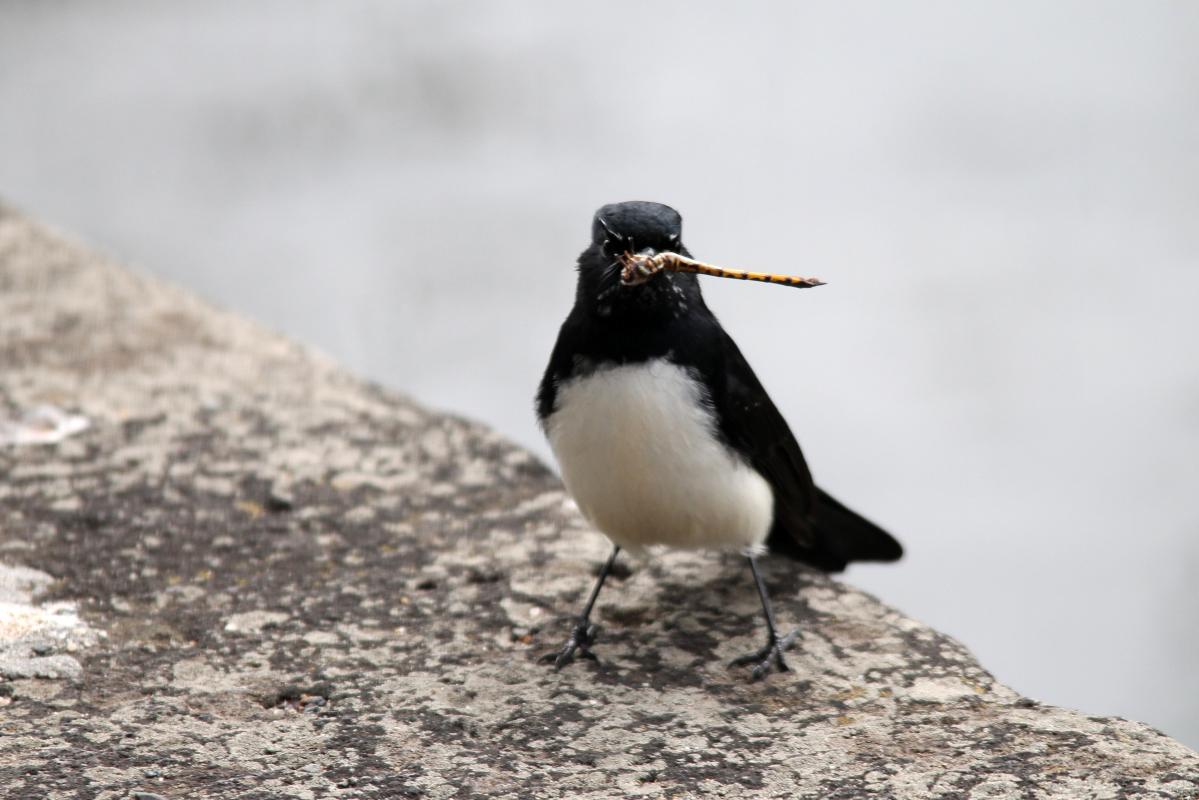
770 655
580 641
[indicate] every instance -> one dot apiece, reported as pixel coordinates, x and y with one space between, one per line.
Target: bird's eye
612 240
673 239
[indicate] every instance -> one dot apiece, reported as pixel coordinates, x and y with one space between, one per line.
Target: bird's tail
843 536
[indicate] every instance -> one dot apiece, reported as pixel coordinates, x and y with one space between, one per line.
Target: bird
665 436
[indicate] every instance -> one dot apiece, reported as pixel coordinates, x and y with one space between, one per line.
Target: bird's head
636 227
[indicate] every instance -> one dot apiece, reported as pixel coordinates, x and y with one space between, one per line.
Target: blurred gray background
1003 198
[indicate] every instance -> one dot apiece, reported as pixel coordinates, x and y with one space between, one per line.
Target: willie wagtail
664 434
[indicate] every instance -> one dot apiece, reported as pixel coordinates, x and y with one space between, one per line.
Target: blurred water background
1003 198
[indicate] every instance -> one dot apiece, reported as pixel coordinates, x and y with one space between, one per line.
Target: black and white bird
665 436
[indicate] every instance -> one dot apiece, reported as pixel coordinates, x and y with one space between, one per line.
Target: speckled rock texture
286 582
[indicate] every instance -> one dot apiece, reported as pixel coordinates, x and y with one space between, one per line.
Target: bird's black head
634 227
637 224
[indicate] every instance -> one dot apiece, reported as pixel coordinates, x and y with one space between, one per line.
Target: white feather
639 453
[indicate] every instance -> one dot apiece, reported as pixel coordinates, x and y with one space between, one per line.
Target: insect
637 268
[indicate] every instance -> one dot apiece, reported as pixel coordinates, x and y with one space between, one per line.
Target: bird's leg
583 635
772 652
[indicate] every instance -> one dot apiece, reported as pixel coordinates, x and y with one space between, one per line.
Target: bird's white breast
639 453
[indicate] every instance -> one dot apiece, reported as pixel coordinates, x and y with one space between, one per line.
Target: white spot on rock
254 621
41 425
321 638
939 690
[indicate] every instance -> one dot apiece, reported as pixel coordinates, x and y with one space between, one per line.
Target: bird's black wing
751 424
809 525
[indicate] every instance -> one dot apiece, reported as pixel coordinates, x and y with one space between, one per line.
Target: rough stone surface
310 587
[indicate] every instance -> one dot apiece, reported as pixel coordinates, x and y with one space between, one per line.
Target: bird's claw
770 655
580 641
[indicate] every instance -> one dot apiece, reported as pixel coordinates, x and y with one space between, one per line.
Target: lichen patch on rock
38 639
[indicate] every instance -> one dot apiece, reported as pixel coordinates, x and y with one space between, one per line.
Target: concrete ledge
289 583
